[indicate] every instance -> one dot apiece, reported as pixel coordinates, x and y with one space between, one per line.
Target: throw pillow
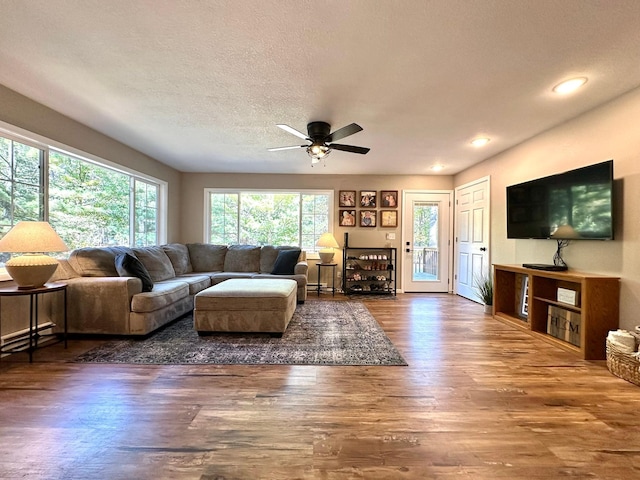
129 266
286 262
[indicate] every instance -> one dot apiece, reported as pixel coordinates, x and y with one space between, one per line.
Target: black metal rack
368 270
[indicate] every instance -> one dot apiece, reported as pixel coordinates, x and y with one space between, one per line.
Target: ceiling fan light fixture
317 152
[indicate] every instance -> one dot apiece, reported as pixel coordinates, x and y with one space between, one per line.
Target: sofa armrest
101 304
301 268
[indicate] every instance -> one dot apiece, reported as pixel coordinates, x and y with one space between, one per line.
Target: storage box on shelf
579 324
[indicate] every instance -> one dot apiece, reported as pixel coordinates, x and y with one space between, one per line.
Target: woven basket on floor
622 364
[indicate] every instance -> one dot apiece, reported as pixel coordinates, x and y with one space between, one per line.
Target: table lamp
328 242
33 239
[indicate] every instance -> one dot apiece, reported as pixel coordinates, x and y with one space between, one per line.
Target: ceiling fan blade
286 148
349 148
293 131
343 132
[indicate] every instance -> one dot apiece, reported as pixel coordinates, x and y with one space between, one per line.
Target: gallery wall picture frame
347 198
388 218
367 218
368 198
388 199
347 218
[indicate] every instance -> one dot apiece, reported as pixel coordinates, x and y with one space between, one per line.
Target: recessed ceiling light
437 167
480 141
569 86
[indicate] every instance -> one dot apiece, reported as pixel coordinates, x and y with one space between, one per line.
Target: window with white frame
268 217
93 205
87 202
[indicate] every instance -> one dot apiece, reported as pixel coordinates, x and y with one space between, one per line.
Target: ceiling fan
322 140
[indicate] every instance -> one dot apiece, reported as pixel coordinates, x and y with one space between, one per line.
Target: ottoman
245 305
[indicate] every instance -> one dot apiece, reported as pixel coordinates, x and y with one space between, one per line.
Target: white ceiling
200 85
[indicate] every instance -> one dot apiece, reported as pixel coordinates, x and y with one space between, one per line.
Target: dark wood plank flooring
479 400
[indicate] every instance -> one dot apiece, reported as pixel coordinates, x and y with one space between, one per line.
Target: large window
92 205
87 202
268 217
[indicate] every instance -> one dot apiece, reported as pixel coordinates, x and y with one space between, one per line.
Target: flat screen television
574 205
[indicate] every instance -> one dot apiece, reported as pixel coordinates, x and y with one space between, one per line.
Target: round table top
47 287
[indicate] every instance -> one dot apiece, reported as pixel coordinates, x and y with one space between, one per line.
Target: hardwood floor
479 400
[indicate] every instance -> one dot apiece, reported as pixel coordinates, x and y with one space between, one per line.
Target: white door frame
450 233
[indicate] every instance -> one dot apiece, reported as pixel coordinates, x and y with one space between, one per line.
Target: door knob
483 249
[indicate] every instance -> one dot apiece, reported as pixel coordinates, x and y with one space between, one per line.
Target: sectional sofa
105 299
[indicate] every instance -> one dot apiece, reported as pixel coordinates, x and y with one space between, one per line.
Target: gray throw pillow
286 262
129 266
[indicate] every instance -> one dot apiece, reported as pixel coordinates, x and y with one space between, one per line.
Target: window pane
224 218
88 204
6 168
21 186
27 204
146 213
269 218
26 163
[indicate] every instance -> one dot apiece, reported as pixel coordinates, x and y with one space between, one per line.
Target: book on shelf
564 324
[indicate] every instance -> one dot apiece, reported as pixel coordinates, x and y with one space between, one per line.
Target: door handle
408 250
483 249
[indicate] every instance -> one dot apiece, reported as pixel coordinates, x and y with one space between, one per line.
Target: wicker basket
622 364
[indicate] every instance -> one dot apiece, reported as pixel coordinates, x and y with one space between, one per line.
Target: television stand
596 304
547 267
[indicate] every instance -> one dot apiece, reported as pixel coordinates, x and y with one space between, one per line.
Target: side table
333 276
29 340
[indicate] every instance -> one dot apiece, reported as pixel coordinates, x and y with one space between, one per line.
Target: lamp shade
565 232
32 237
33 269
328 242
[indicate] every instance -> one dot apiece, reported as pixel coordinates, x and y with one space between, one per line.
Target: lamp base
31 271
326 257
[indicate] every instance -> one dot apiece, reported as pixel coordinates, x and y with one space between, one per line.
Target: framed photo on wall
347 218
368 198
347 198
388 198
367 218
388 218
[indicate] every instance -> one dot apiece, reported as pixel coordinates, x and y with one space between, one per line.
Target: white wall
610 131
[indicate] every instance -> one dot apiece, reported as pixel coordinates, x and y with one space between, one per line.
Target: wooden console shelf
594 313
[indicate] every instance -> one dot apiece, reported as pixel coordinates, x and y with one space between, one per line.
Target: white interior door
472 236
426 246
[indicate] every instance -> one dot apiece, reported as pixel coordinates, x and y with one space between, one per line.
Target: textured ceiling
200 85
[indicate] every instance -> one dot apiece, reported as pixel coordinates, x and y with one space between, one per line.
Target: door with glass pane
425 242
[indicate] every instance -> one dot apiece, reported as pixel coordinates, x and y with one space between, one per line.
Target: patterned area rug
320 333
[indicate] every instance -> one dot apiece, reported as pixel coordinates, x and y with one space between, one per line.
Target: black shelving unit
368 270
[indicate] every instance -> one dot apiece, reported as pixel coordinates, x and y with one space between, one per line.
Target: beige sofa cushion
195 281
96 262
179 256
156 262
242 258
206 257
162 295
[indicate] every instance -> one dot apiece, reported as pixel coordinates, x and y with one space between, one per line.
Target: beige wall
193 185
22 112
608 132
